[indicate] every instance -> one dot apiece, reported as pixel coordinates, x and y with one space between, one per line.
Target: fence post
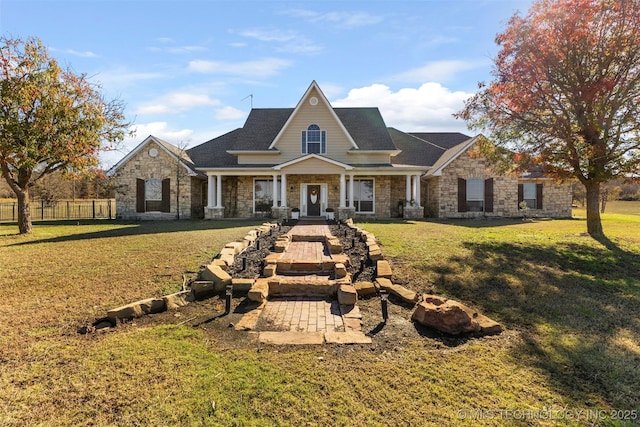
68 212
93 206
13 212
109 207
42 209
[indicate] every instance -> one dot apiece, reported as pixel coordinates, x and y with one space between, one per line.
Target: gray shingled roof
415 151
261 128
213 153
445 140
366 127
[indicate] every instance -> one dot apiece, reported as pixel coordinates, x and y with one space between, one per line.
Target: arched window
314 140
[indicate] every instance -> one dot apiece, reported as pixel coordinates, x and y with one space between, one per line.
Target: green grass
569 304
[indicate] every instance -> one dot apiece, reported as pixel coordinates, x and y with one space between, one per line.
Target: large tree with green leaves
566 92
51 119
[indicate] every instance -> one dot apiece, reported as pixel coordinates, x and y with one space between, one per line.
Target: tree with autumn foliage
51 119
566 92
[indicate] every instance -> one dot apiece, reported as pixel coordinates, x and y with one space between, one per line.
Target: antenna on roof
248 96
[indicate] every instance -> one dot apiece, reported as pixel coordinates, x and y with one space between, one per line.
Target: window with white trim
363 195
263 195
314 140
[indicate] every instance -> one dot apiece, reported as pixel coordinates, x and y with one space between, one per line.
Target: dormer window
314 140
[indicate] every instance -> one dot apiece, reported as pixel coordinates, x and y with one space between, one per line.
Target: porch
333 196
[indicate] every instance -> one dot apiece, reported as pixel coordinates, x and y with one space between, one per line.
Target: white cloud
266 67
344 20
176 102
439 71
120 77
269 35
428 108
85 54
229 113
287 41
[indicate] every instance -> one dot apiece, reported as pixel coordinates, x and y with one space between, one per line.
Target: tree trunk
24 212
594 225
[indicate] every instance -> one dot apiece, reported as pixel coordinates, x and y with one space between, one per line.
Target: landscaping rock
202 289
217 275
347 295
453 317
242 286
375 253
179 299
137 309
365 289
270 270
400 291
259 291
383 269
340 270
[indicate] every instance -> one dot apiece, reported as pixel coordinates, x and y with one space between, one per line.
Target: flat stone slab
291 338
348 337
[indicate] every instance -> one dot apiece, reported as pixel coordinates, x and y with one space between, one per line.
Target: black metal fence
63 209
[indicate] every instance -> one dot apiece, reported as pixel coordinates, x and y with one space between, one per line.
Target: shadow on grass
576 305
127 228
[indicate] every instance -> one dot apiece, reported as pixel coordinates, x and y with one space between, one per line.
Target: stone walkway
304 319
303 314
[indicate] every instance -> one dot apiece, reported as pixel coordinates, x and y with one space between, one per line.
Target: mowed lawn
569 355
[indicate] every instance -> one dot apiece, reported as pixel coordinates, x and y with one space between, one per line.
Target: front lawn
570 306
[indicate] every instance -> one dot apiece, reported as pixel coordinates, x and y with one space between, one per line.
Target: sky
189 71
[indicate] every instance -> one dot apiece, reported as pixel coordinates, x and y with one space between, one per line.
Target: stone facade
441 192
163 166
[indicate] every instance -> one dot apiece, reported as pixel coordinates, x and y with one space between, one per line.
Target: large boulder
452 317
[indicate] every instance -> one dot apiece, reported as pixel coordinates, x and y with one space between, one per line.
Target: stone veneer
237 195
441 192
143 166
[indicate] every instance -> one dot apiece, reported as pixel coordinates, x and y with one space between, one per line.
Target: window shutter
520 194
140 195
166 195
539 196
304 142
323 149
462 195
488 195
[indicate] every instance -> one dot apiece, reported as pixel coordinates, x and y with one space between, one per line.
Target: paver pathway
303 314
305 319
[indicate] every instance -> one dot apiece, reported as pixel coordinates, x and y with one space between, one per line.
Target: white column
211 191
418 196
350 205
283 190
343 191
275 191
218 191
408 189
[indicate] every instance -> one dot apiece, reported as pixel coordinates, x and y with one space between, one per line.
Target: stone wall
442 192
143 166
556 199
471 165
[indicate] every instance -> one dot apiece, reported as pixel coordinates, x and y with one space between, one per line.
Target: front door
313 200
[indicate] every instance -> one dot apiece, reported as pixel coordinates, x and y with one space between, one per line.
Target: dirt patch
249 264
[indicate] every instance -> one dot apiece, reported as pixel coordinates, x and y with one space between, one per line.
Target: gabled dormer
346 135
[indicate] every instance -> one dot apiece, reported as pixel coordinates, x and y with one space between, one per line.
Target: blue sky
186 69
